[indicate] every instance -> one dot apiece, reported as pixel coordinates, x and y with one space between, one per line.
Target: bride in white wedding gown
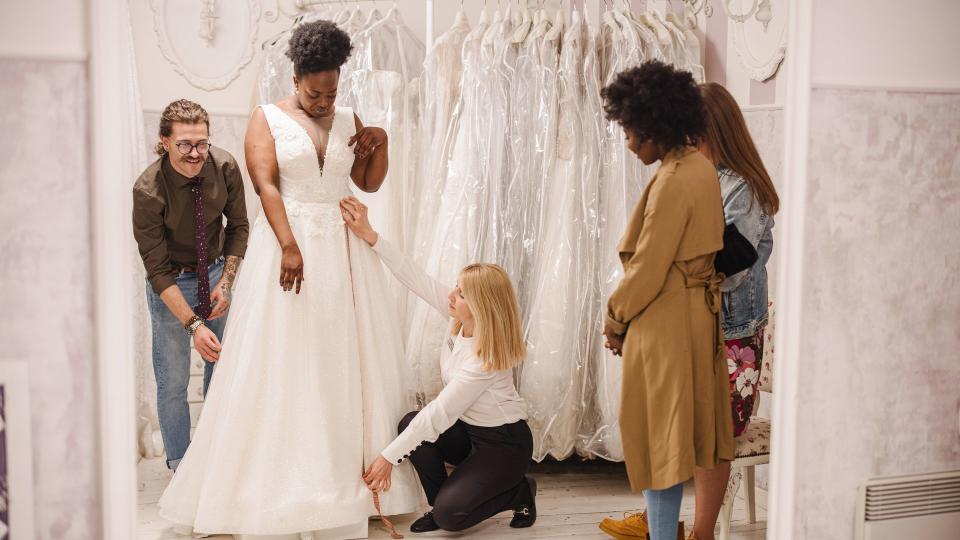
309 386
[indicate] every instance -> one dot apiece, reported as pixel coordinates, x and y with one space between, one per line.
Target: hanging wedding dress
560 326
275 80
453 240
593 130
499 56
691 44
439 122
621 182
309 387
382 82
533 130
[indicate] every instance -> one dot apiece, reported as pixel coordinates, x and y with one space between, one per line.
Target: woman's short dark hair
318 46
657 101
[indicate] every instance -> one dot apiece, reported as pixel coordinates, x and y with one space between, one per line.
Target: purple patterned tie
200 241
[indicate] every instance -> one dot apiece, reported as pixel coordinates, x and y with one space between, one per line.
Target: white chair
753 445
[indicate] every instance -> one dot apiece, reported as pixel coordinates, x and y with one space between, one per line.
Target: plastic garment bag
275 81
498 58
455 238
622 178
523 119
354 22
439 96
380 83
590 437
691 44
560 322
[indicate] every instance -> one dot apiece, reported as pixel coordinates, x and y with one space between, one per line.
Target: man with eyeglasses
191 257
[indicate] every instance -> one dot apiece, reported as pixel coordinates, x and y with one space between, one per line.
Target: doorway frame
111 207
114 312
781 523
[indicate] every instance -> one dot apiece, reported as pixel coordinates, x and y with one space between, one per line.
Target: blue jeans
171 363
663 511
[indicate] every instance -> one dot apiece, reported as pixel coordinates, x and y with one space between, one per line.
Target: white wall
874 276
46 292
160 83
886 43
48 29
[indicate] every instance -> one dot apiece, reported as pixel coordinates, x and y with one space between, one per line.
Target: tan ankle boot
632 527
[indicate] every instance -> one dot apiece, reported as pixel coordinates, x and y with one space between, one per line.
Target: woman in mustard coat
663 318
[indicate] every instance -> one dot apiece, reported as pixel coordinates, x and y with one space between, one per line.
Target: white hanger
500 19
373 17
461 17
355 16
673 18
675 29
608 19
514 16
520 34
559 21
652 22
540 28
343 15
484 14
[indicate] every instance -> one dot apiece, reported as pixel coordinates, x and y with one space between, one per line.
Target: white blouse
478 397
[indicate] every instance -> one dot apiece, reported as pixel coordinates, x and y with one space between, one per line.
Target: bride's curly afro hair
318 46
657 101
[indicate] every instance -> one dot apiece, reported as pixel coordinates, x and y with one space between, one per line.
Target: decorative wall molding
208 59
271 10
760 36
695 7
893 87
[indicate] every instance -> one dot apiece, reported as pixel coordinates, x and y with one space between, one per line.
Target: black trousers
489 477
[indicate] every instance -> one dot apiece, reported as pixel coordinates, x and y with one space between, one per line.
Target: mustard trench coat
675 403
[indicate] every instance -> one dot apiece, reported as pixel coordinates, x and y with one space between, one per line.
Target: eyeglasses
186 148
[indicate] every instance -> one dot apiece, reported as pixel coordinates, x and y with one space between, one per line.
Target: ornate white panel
207 42
759 29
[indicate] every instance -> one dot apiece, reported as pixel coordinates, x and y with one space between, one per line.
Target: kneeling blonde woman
478 421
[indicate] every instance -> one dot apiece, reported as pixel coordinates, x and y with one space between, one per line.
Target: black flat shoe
525 515
424 524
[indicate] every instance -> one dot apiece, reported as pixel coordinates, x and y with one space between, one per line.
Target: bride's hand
355 216
378 475
367 140
291 269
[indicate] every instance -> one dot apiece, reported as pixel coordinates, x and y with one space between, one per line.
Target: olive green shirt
163 216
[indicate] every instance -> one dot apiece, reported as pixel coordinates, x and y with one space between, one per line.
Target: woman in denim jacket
750 202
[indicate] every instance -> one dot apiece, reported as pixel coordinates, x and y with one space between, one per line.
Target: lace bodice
301 179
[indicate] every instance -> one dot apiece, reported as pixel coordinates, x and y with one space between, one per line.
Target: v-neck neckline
326 151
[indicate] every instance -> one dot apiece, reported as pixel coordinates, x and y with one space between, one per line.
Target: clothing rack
305 5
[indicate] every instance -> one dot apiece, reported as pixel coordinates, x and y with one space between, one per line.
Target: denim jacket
744 306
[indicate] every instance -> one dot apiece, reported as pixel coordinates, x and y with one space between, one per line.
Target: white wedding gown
310 387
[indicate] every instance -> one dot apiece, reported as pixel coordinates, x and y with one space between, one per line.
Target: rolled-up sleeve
237 229
743 210
148 230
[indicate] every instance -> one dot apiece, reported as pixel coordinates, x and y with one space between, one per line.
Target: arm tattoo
230 268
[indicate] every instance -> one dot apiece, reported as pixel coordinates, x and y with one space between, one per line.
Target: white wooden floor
572 499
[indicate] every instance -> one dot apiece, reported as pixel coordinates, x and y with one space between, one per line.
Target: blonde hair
183 111
489 292
731 145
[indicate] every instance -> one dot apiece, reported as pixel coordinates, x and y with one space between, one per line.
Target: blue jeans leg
663 511
171 364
